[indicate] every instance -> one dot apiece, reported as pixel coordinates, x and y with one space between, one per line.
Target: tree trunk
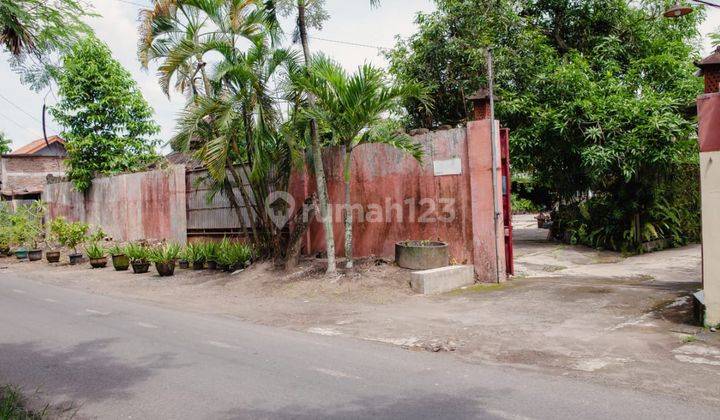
233 199
323 199
301 223
348 209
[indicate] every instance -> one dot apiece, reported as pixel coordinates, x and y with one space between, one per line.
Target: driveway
112 358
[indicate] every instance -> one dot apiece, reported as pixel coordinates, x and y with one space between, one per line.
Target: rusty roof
36 145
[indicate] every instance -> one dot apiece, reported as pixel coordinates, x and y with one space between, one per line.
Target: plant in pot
183 261
164 258
20 233
138 256
120 259
210 252
97 255
33 225
52 240
195 255
72 234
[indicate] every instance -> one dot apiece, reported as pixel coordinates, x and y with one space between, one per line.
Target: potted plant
164 258
138 256
120 260
195 255
184 263
210 252
71 235
33 216
97 255
52 239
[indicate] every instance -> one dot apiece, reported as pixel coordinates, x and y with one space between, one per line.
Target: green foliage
523 205
234 255
13 406
5 143
6 226
33 30
595 93
137 253
210 251
194 253
69 234
164 254
95 251
117 250
24 226
108 122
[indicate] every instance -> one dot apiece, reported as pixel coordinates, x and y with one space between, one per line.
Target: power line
25 112
19 125
353 44
133 3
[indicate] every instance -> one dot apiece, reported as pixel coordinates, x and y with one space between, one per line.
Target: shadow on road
78 374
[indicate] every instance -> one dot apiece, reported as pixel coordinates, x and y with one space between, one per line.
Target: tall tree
352 109
312 14
596 94
31 30
109 125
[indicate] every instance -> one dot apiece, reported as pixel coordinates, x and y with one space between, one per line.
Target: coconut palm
179 33
352 108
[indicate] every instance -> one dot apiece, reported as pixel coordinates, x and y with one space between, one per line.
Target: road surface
123 359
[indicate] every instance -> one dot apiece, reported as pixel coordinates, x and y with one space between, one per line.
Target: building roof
37 145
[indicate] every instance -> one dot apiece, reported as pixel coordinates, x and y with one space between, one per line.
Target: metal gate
507 200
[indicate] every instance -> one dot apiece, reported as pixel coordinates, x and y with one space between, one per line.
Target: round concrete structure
422 255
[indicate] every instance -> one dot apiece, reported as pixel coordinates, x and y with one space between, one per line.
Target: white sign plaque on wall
447 167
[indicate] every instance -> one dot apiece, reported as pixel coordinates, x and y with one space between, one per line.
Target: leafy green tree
109 124
32 30
596 94
352 109
5 143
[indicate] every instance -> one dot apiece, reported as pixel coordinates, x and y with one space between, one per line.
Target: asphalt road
122 359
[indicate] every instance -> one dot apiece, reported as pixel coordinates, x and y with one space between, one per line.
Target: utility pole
493 139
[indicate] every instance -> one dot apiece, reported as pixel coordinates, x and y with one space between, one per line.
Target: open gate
507 202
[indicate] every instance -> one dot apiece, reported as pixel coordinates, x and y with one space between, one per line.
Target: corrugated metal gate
215 217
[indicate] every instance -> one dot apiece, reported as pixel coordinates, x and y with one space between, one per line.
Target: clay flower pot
21 253
184 264
52 256
165 269
35 255
140 267
212 265
75 258
98 262
198 265
121 262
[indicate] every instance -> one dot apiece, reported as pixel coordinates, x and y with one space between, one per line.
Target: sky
350 21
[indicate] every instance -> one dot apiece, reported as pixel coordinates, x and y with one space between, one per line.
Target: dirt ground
570 311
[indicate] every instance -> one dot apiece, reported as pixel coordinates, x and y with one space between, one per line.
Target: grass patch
689 339
12 406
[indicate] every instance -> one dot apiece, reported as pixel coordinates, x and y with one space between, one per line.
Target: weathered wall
709 136
22 174
455 175
146 205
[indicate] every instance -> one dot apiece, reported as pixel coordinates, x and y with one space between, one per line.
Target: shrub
234 255
210 251
27 225
69 234
523 205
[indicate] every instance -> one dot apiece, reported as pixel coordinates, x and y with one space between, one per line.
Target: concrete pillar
485 235
709 136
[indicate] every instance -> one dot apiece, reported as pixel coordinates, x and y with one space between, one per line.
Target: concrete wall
709 136
146 205
455 175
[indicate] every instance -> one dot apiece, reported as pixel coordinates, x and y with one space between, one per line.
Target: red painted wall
387 179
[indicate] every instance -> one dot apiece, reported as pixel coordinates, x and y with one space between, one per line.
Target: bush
523 205
95 251
194 253
234 255
137 254
69 234
116 250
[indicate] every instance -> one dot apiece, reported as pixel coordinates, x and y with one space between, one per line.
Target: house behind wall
25 172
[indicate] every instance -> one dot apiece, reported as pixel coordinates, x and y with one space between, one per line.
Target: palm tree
310 13
352 108
179 33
